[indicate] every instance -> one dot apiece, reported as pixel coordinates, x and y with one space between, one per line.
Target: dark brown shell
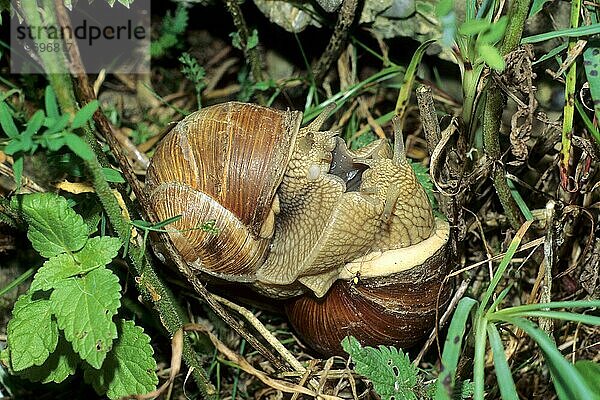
222 163
397 310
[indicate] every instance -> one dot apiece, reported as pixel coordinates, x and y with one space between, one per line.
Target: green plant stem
492 114
569 111
150 284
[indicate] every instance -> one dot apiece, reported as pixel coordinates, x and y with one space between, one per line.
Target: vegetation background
516 91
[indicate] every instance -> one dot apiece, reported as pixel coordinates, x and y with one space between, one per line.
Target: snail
347 238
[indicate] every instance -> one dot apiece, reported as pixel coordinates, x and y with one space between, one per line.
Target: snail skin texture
348 236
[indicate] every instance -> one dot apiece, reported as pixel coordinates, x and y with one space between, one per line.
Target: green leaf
236 41
473 27
32 333
18 170
390 370
591 64
443 7
452 348
59 366
51 103
7 123
536 7
503 374
567 380
98 251
54 228
84 308
57 124
84 114
422 174
112 175
54 271
34 124
590 371
586 30
129 368
16 145
491 56
496 32
252 40
79 146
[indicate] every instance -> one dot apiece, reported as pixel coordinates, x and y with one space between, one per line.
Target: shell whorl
211 166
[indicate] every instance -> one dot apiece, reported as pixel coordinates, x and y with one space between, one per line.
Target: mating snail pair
348 238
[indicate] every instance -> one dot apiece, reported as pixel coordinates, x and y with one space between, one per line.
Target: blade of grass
569 110
553 304
588 122
452 349
479 358
571 32
561 315
17 281
499 299
519 200
514 244
409 80
503 373
341 97
551 53
567 380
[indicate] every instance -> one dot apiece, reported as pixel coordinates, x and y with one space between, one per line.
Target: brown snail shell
211 167
393 310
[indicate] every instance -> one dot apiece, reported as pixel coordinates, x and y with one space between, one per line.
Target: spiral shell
211 167
375 305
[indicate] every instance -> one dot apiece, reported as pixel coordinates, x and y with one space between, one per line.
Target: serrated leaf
59 366
51 103
54 228
84 308
84 114
390 370
422 174
78 146
32 334
54 271
98 251
7 123
129 368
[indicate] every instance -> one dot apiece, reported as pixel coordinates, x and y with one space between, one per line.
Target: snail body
298 213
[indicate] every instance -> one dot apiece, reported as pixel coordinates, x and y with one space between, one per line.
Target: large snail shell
211 166
396 309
